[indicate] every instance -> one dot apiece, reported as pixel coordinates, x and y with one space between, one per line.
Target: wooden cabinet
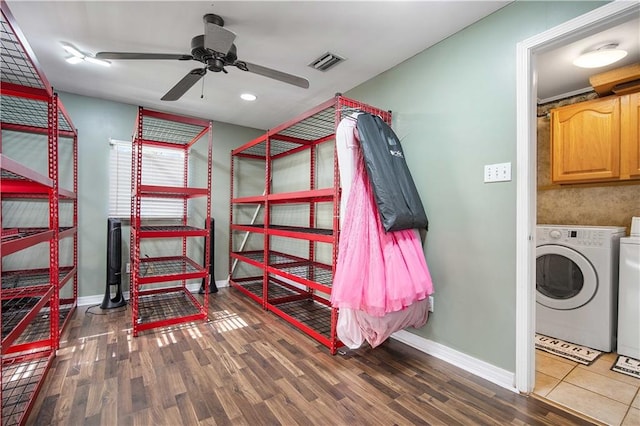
585 141
630 137
596 141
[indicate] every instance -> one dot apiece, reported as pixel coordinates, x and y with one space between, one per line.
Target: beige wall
610 204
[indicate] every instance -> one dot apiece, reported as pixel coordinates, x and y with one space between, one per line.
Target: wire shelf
277 147
318 126
22 233
319 231
169 228
20 380
29 112
16 67
312 272
313 314
159 307
281 259
255 255
6 174
27 232
39 327
252 286
275 290
13 310
171 231
37 277
156 129
168 266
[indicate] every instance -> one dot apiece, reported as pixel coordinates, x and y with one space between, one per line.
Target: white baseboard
496 375
96 299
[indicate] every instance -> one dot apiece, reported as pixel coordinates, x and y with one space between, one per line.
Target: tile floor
596 391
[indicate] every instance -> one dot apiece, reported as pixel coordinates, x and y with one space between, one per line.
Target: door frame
609 15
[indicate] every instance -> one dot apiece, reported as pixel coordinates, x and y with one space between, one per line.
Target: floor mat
627 365
573 352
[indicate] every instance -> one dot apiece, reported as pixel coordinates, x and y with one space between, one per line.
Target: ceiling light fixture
602 56
248 97
77 56
74 59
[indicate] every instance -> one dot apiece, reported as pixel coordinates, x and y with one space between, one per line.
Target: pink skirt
376 272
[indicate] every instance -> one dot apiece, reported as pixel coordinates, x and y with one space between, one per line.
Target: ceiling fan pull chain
202 91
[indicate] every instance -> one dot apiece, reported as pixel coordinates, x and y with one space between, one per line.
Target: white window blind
160 166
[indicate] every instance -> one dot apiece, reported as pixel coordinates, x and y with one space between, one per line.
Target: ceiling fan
215 49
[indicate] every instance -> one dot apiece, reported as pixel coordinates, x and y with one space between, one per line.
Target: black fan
215 49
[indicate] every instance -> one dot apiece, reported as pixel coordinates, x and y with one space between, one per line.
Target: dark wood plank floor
247 366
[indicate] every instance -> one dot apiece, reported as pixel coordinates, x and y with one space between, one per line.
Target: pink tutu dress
376 272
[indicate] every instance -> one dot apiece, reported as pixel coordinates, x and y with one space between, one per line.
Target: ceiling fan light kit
72 50
73 60
602 56
77 56
215 50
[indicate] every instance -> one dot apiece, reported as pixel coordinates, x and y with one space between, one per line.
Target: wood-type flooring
246 366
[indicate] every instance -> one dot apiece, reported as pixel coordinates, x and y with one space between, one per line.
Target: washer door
565 279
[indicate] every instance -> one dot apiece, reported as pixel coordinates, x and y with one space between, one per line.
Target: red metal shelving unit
283 244
37 302
159 293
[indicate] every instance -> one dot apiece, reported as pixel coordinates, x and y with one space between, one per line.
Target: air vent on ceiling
326 61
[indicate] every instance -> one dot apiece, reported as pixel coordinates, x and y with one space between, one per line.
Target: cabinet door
630 136
585 141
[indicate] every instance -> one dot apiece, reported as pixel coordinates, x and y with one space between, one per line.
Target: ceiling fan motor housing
215 50
212 18
215 61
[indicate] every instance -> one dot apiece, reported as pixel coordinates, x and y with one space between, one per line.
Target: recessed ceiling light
602 56
248 97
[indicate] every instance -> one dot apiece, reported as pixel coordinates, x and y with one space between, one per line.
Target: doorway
609 15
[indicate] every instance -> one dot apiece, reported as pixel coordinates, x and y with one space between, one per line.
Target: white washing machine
629 294
577 283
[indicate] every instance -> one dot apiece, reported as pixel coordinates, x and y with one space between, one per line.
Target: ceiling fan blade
217 38
131 55
271 73
184 85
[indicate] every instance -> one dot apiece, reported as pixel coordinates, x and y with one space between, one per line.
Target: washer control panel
588 236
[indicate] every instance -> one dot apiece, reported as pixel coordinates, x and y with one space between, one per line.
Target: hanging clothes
377 272
346 145
396 196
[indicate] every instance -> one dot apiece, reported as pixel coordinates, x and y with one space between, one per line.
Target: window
160 166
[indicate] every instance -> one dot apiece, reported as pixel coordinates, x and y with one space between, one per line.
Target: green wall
454 109
98 120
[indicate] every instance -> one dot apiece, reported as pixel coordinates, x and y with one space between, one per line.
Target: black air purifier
114 266
212 282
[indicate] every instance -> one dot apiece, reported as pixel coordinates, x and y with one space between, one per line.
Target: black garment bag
398 201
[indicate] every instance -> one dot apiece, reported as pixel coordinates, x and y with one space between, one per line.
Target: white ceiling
284 35
556 73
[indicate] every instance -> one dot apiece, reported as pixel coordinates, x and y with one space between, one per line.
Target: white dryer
577 283
629 297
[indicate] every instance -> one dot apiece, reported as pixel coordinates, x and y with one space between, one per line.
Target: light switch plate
497 172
